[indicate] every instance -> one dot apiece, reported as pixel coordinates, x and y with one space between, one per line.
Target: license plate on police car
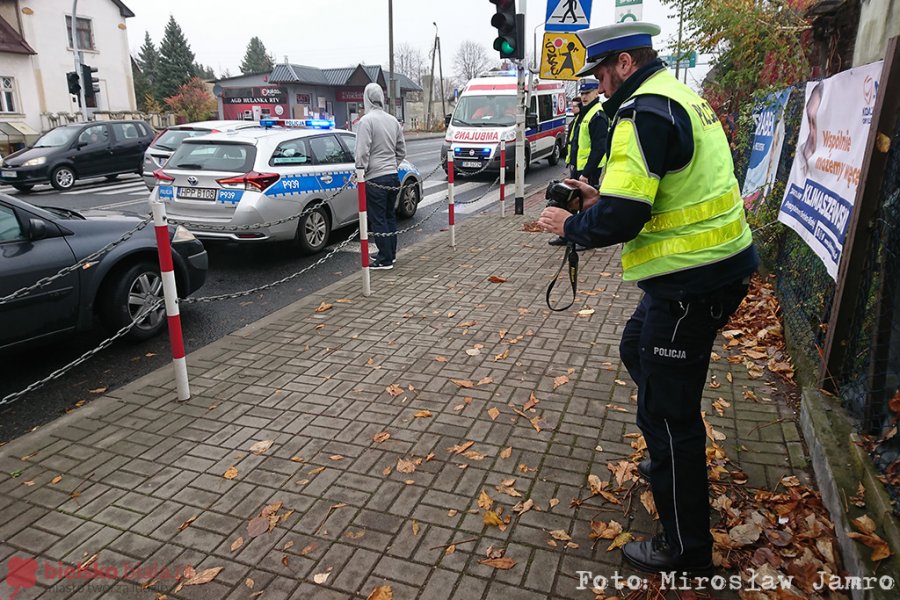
10 174
471 164
197 193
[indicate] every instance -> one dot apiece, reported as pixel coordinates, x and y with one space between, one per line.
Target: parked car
168 141
240 178
37 242
78 151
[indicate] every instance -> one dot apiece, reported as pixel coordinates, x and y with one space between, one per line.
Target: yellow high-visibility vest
584 137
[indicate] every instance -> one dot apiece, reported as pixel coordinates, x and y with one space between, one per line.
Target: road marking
458 189
105 188
123 190
115 205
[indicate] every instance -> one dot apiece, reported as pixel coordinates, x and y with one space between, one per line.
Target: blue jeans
381 205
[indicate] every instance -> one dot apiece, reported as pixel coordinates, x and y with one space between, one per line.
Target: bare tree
410 61
471 60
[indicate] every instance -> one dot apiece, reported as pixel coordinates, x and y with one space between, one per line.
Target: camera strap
571 257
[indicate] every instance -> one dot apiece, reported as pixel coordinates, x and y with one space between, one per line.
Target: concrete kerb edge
162 375
839 463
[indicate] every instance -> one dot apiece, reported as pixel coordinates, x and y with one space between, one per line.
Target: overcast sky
340 33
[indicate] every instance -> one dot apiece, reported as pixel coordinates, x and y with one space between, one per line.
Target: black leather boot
560 241
643 469
657 556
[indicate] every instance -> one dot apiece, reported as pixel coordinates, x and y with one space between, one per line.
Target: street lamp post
391 84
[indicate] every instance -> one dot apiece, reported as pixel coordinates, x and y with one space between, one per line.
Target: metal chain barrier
267 286
84 357
437 207
80 264
481 197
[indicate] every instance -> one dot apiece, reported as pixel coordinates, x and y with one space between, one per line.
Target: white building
36 54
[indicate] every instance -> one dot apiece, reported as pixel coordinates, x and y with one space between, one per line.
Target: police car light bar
297 123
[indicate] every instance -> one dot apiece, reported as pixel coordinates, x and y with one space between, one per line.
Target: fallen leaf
382 592
260 447
605 531
321 578
499 563
423 414
316 470
405 465
464 383
258 526
98 390
284 560
381 437
297 459
621 539
450 549
231 472
308 548
202 577
523 507
561 535
415 527
506 453
336 457
744 534
485 501
485 380
237 543
323 307
473 351
394 390
440 359
460 448
56 479
561 380
865 524
493 413
502 356
585 312
880 549
187 523
532 402
553 502
249 583
649 504
495 279
491 518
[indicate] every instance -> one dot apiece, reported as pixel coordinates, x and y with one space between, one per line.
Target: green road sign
688 60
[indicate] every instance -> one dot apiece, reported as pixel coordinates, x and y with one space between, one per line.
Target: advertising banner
768 138
821 190
253 103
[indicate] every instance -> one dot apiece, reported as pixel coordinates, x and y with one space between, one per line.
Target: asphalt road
232 268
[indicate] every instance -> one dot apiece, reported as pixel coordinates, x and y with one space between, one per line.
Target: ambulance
486 115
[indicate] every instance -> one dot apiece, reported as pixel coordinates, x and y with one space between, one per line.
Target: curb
840 464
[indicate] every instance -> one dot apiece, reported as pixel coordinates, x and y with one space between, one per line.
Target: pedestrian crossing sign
568 15
562 55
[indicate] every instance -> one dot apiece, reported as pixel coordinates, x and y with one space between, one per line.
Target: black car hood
16 159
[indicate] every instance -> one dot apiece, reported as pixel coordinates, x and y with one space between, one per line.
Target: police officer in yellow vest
668 192
587 140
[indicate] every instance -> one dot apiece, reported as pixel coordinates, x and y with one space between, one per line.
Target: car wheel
408 199
554 158
23 187
137 288
313 231
112 177
62 178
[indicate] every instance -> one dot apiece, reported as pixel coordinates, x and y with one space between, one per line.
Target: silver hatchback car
221 183
168 141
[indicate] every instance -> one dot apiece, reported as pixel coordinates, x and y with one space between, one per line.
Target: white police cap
600 42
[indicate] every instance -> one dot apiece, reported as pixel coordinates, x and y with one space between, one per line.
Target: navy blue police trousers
666 348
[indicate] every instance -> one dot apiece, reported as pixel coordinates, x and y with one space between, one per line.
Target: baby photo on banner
821 189
768 138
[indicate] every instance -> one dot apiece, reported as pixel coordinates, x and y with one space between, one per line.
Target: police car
220 182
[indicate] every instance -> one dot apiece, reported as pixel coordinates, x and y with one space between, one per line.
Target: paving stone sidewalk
136 478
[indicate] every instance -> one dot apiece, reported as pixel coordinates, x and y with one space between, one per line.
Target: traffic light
73 82
510 41
90 84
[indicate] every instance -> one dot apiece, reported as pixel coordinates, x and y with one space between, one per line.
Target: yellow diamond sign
562 55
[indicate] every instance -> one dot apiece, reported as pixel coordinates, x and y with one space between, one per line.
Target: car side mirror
447 120
531 120
80 145
37 229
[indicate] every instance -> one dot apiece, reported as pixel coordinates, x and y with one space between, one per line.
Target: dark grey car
38 242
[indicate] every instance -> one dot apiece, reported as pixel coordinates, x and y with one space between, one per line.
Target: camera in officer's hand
561 195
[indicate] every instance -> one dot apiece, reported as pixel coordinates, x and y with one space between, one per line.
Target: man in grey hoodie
380 148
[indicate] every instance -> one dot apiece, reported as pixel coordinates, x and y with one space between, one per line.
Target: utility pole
391 110
437 45
428 111
678 44
84 113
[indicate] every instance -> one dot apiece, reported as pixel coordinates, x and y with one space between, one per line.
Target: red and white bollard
170 292
451 202
502 179
363 230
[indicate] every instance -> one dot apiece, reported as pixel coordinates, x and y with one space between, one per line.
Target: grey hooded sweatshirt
380 146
